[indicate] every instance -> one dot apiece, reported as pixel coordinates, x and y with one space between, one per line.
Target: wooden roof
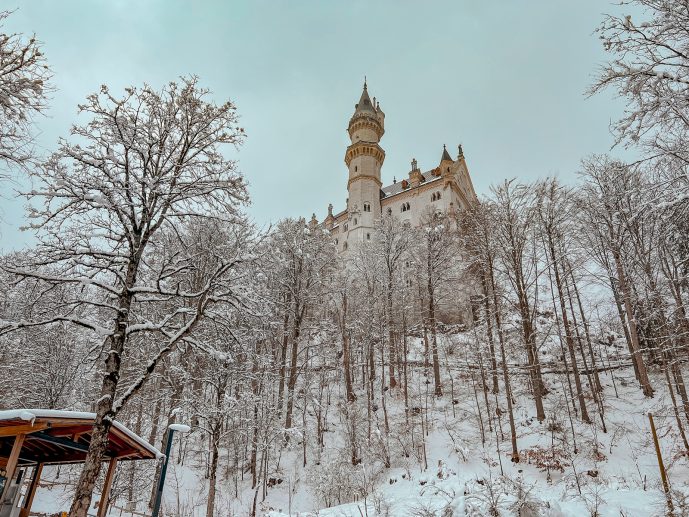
54 437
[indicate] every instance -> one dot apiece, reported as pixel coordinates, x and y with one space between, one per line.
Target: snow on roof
30 415
396 188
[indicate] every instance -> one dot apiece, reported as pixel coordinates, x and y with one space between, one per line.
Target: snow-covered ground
613 473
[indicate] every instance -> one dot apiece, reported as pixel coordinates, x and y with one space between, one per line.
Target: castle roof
365 103
446 155
396 188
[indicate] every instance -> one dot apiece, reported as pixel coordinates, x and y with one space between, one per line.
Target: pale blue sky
504 78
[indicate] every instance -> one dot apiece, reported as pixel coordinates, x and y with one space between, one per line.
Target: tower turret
364 159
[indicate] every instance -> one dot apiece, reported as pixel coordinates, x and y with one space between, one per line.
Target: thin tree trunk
489 334
503 357
631 319
568 332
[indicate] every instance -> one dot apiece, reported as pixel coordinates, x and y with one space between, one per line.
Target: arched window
435 196
389 211
368 236
355 221
367 207
344 247
403 208
336 242
346 227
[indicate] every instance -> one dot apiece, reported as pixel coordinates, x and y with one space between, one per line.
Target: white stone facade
445 188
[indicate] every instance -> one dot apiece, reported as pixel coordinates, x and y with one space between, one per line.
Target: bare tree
144 164
24 76
515 218
434 254
605 208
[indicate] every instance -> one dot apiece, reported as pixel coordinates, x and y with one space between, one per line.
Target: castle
446 188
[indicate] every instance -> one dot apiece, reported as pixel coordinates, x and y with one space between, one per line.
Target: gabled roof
54 437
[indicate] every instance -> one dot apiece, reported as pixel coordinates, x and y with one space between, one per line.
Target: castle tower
364 158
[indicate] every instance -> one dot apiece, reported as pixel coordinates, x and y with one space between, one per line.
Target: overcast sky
504 78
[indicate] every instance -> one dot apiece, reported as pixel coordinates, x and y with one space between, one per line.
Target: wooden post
103 505
12 464
28 500
661 466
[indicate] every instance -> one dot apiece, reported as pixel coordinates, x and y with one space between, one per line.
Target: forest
521 343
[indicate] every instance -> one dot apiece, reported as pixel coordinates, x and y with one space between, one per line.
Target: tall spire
365 103
446 155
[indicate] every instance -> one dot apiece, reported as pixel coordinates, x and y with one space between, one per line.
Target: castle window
336 242
356 168
405 207
346 227
408 282
435 196
344 247
389 211
367 207
355 221
368 236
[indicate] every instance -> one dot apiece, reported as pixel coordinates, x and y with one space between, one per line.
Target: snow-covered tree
144 165
24 76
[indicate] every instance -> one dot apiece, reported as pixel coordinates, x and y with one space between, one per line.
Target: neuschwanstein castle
447 187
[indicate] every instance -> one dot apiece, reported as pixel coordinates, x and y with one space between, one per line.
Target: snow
32 414
182 428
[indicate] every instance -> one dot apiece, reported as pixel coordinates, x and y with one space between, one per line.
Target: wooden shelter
38 437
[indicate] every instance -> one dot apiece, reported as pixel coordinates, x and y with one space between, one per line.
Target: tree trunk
212 480
391 335
104 406
283 352
489 333
633 334
292 382
503 357
346 354
568 332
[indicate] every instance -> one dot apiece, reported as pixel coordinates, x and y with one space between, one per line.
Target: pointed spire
365 103
446 155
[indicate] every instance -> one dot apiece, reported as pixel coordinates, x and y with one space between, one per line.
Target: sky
506 79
